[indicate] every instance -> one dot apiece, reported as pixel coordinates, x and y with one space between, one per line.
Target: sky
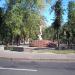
50 16
46 11
2 2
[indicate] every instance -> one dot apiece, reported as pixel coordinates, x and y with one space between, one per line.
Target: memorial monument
40 42
40 33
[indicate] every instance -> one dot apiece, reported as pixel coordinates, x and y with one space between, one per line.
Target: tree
22 18
3 27
1 21
27 3
71 18
1 16
48 33
58 15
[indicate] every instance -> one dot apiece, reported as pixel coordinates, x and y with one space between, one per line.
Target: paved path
35 56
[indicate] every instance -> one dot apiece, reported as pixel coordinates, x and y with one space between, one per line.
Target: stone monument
41 42
40 33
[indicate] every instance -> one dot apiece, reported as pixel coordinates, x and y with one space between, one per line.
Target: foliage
48 33
58 14
3 27
22 18
58 17
71 16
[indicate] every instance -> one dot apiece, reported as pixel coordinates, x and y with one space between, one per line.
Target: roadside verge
12 55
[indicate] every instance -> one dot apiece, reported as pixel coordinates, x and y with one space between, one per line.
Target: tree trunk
58 39
24 41
12 40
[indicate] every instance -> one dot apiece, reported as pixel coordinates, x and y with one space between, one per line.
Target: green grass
47 51
54 51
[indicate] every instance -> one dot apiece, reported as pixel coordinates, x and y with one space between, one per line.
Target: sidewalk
35 56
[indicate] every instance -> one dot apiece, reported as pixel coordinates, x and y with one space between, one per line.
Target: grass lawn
54 51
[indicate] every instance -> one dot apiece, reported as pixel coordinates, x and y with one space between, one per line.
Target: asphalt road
10 67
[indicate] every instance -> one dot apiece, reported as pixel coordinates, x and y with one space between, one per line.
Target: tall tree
1 16
1 20
58 15
3 27
23 18
71 18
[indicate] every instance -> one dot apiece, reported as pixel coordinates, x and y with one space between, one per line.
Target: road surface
10 67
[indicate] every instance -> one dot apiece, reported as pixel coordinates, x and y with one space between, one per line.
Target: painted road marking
18 69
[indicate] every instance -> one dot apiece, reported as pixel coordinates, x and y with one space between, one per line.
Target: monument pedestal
42 43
